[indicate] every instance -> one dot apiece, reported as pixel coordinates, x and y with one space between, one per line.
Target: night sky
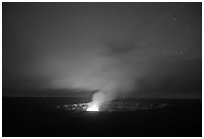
137 49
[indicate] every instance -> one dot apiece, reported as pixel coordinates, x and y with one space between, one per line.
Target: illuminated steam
93 107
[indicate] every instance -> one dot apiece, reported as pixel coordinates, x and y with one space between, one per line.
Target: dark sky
149 49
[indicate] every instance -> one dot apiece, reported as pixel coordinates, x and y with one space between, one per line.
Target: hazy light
92 107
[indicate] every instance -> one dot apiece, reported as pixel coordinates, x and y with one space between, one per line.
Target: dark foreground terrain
36 117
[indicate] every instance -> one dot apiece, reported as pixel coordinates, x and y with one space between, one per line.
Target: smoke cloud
111 76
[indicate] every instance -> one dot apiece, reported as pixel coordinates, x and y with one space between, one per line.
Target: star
187 27
173 20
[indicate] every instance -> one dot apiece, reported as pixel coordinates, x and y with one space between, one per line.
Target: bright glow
92 107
